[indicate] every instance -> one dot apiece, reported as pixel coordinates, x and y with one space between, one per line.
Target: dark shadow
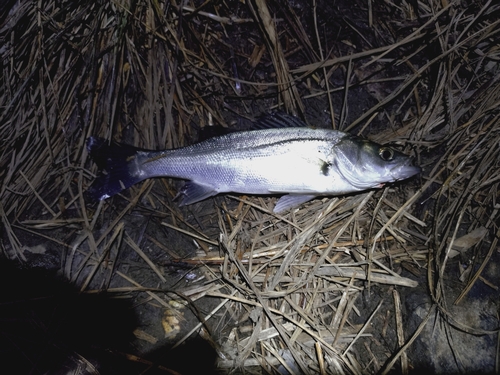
195 357
48 327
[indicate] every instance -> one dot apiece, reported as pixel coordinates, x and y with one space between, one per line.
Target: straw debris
317 289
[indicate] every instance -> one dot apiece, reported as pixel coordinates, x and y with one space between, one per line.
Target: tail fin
119 168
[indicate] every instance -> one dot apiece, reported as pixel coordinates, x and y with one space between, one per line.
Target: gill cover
366 164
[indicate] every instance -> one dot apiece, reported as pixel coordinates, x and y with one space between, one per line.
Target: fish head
365 164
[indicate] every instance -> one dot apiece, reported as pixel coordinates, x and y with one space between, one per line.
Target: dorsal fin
272 120
276 120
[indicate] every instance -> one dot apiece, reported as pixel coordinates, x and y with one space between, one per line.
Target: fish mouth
405 171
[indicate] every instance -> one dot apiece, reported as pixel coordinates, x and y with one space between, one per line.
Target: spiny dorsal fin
276 120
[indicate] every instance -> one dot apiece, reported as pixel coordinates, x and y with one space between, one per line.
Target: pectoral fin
192 192
289 201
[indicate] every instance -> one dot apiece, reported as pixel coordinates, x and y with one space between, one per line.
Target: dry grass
288 286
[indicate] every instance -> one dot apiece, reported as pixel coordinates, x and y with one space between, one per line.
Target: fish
281 156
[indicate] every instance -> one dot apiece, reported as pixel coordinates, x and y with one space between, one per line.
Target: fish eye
386 153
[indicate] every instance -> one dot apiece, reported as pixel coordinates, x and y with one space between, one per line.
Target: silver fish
300 162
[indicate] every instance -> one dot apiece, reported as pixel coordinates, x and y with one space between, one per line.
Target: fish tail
119 165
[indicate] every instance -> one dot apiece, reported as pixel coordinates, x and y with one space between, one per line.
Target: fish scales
288 161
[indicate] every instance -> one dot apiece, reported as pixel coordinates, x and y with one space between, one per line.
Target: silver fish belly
300 162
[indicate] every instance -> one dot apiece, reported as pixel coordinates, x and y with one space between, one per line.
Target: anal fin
289 201
193 192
